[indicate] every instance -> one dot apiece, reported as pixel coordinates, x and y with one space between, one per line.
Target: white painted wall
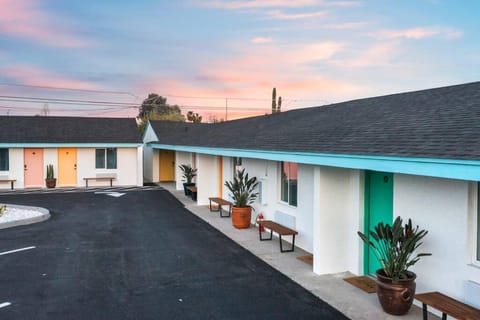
15 169
207 178
267 172
150 156
181 158
127 167
441 207
337 246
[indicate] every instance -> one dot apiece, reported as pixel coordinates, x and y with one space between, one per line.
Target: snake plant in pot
394 248
188 173
243 192
50 181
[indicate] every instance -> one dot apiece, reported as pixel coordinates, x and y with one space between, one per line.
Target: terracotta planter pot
395 298
50 183
241 217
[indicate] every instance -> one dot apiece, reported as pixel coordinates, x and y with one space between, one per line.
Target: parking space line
16 250
4 304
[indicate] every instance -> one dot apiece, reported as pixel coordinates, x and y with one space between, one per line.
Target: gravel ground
15 213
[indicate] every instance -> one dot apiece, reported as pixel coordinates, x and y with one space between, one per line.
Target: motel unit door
378 208
67 167
33 168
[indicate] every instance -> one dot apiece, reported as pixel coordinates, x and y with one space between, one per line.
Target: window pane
100 158
111 158
293 172
4 159
284 182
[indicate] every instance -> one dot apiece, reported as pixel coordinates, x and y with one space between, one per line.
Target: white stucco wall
207 178
15 169
127 167
181 158
150 156
337 246
267 172
441 207
148 163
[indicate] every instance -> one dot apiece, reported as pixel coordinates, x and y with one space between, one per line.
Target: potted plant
50 181
242 190
188 173
394 248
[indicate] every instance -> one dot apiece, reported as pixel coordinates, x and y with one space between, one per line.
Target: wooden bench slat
447 305
278 228
11 181
221 202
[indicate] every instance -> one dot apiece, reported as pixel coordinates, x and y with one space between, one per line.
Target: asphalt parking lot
138 256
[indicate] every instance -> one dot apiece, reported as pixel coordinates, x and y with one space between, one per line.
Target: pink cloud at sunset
261 40
278 14
249 4
25 19
419 33
29 75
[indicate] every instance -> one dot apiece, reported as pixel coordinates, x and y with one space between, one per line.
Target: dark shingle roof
435 123
18 129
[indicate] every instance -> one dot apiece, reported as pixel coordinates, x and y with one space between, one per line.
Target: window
106 158
3 159
289 183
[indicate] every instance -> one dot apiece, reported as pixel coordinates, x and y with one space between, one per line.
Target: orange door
33 167
67 167
167 165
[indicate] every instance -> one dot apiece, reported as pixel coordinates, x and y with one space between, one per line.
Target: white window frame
287 203
105 160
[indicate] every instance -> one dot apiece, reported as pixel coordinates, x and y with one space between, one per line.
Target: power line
69 89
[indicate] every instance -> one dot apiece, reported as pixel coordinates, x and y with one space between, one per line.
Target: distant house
333 170
77 147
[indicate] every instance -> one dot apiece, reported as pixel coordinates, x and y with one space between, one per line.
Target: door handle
25 167
75 166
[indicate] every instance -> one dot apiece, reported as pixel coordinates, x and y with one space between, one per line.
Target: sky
221 58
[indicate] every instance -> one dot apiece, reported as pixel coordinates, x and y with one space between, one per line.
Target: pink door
33 167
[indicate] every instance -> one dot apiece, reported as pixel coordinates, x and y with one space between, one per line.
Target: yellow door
167 165
67 167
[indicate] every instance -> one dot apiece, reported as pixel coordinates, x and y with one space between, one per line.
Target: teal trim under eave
70 145
442 168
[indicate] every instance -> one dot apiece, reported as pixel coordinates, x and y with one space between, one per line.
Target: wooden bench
280 230
220 202
100 177
12 181
193 193
448 306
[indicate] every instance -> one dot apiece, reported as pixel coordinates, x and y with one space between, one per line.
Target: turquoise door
378 208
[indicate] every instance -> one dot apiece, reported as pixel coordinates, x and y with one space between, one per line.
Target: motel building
333 170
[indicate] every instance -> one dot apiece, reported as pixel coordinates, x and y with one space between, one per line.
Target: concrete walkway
346 298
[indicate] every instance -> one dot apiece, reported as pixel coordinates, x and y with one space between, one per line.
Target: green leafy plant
3 209
50 172
394 246
188 172
242 189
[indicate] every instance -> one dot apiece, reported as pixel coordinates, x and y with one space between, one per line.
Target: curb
45 215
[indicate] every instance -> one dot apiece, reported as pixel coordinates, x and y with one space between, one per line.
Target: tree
194 117
155 107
